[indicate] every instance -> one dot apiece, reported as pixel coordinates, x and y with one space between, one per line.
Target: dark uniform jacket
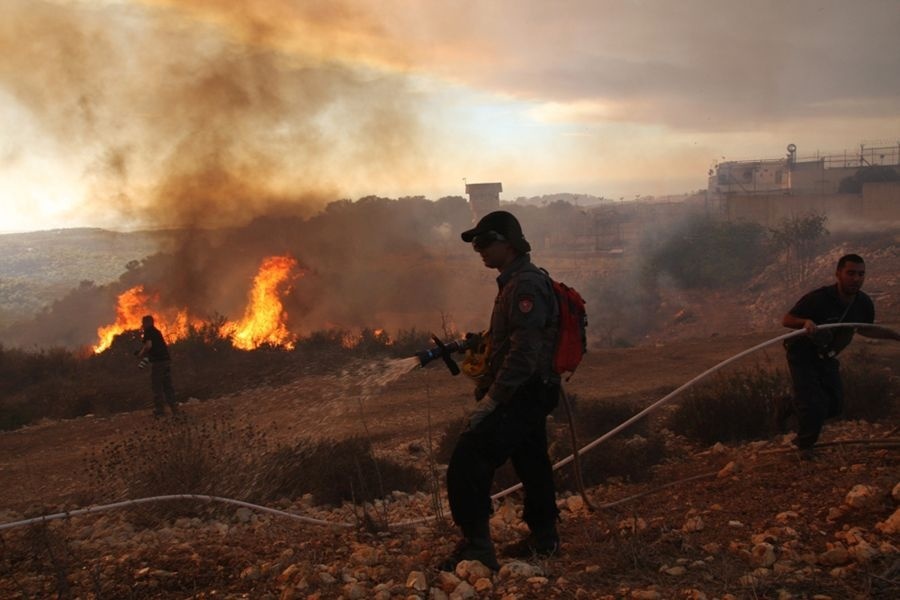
524 326
823 306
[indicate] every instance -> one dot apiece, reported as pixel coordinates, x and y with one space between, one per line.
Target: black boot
476 545
543 542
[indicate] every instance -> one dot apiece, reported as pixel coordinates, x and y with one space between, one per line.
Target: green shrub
707 253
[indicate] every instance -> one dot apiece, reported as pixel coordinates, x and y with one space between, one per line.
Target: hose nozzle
443 351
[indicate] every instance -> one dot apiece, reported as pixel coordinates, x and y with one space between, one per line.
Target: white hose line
497 496
126 503
682 388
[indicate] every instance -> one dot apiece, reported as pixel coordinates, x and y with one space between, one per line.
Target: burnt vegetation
755 403
63 384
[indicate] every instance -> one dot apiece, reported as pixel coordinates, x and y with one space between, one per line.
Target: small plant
798 239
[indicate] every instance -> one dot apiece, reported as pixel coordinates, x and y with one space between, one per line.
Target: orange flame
133 304
263 321
350 340
264 317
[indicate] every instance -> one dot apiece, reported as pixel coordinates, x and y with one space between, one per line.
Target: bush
60 384
870 390
335 471
629 454
735 407
179 456
708 253
410 341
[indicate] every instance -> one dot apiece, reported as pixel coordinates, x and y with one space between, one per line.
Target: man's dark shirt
523 328
158 349
823 306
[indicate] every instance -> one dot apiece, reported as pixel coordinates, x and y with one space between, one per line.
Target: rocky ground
746 521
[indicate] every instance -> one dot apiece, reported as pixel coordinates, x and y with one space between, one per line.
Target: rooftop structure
820 173
483 198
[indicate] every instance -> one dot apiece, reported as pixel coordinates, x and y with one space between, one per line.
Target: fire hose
440 354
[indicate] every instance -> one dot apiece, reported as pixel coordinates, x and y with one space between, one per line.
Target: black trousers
516 431
818 395
161 383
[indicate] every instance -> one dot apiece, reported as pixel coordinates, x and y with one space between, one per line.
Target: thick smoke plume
196 118
184 121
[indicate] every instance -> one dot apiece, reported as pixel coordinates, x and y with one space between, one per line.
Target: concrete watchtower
483 198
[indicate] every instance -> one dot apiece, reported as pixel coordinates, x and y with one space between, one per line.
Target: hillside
743 521
42 266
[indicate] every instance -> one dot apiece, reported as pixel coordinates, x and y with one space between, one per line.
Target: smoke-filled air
272 323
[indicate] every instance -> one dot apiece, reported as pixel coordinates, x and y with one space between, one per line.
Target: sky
133 114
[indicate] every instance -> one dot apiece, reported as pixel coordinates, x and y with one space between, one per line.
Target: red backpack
571 342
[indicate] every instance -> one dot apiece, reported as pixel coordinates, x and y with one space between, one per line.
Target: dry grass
60 384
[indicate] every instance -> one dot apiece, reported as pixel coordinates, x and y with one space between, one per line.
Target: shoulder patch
525 303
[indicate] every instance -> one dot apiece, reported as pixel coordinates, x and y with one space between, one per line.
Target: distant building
483 198
819 174
857 186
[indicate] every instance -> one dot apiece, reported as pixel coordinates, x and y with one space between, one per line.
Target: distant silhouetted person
812 359
156 352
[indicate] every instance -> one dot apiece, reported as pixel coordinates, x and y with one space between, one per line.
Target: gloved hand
485 408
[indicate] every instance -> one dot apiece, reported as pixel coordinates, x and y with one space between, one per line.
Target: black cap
502 223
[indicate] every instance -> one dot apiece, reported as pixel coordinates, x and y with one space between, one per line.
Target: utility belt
816 346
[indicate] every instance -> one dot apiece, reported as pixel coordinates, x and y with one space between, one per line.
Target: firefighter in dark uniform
812 359
516 393
155 350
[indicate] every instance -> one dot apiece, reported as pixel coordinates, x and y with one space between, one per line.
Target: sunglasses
483 240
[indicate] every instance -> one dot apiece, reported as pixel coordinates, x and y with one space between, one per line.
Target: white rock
890 525
416 581
463 591
574 503
519 569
